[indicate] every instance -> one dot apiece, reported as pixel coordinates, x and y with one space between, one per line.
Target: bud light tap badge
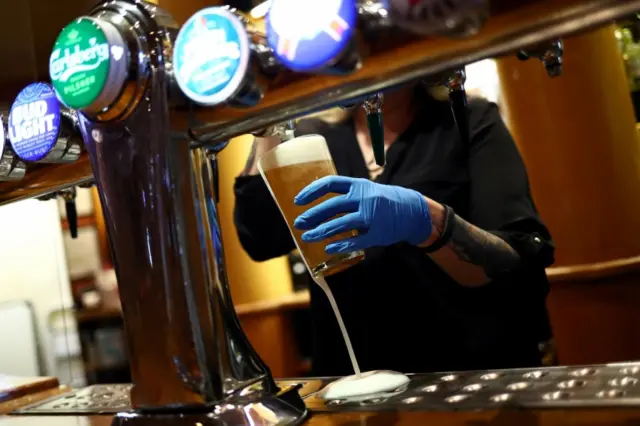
34 122
211 56
310 35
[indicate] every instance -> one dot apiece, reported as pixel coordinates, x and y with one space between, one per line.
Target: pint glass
287 169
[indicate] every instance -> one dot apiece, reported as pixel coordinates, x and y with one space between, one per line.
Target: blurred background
59 306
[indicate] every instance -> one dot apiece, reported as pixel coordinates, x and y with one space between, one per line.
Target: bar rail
514 24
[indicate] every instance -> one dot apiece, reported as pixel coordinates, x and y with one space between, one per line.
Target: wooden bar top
293 301
14 387
586 417
32 398
513 417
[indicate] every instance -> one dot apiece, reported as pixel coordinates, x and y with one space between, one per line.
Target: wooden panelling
14 387
249 281
578 137
577 134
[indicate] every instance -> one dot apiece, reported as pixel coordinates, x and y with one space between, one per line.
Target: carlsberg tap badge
79 63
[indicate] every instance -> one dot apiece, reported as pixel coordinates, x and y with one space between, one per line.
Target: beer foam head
301 150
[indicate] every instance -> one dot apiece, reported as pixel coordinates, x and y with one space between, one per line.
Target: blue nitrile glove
383 214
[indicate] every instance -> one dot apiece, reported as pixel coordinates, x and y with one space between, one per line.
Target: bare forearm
473 257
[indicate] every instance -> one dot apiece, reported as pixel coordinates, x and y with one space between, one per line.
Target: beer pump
158 197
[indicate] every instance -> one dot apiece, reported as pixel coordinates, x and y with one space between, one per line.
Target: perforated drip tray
111 399
612 385
97 399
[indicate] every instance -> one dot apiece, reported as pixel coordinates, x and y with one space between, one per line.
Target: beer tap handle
285 131
373 108
69 196
458 102
551 54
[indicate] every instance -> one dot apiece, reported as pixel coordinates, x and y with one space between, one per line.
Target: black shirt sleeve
261 229
501 200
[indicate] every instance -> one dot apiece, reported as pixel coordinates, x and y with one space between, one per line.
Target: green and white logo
79 63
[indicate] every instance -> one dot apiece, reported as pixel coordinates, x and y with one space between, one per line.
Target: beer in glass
287 169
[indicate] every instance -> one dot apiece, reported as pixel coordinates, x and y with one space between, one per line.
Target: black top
401 310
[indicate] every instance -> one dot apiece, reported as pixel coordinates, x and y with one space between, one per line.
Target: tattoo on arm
438 223
472 244
250 160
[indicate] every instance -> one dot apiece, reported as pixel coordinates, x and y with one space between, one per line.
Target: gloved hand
383 214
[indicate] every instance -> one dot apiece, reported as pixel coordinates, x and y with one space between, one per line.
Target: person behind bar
455 252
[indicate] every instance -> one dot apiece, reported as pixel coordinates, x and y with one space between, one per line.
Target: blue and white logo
34 122
308 35
211 56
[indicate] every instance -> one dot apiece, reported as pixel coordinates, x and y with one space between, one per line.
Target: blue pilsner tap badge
211 56
308 35
34 122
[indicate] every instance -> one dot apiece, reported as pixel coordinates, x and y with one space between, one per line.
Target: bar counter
488 418
574 417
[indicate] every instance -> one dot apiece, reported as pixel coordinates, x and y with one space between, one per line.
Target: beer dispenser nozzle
373 107
458 102
285 131
69 197
550 53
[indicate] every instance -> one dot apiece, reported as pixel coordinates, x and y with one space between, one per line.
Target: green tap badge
79 63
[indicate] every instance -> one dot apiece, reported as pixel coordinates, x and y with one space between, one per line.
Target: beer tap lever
69 197
373 108
458 102
550 53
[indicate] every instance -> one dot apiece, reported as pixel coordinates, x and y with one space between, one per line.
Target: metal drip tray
97 399
612 385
